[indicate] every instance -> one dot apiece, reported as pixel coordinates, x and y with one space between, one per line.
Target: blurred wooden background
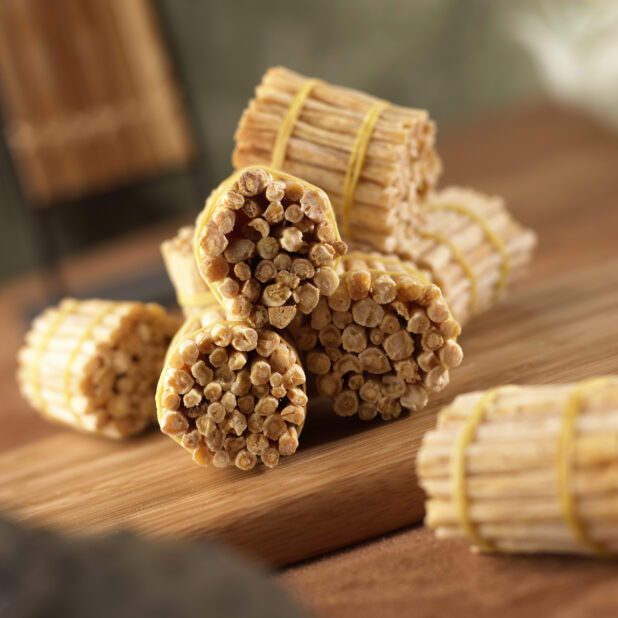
88 96
445 55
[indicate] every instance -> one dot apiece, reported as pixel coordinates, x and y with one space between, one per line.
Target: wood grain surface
350 480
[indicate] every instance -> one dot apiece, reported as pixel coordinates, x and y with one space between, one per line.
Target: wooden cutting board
351 481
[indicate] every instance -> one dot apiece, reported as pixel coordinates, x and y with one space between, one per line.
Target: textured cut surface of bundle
267 244
382 342
472 247
231 394
398 167
192 293
527 469
94 364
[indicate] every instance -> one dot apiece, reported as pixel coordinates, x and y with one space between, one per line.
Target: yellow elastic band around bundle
493 238
226 185
35 367
460 259
458 463
287 124
84 337
357 158
565 463
175 345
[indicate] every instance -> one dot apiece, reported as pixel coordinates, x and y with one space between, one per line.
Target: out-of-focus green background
457 59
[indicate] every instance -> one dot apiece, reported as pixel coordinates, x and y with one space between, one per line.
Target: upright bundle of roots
231 394
382 341
267 243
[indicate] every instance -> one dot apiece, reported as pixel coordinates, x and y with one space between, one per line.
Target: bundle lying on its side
382 341
94 364
267 244
527 469
231 394
375 160
472 247
192 293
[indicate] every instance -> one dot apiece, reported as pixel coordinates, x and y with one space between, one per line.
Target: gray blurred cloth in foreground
44 574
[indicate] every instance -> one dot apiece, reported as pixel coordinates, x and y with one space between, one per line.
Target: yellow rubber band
35 366
357 158
565 463
494 239
203 299
287 125
460 259
175 345
458 463
226 185
85 335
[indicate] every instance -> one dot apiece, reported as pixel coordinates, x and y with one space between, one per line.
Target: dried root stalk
398 168
94 364
267 245
382 341
526 469
192 293
231 394
472 247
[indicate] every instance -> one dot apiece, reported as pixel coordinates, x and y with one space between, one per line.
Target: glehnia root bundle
94 364
267 243
382 342
374 159
231 394
527 468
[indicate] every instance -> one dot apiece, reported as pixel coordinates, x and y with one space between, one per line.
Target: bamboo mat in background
87 94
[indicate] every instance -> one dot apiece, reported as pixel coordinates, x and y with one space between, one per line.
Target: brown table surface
559 174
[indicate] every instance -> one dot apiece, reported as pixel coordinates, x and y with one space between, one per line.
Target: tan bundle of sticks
94 364
231 394
245 404
267 243
192 293
471 246
527 469
382 341
375 160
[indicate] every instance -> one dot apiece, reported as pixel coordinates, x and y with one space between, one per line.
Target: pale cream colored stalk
382 342
94 364
514 496
399 168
